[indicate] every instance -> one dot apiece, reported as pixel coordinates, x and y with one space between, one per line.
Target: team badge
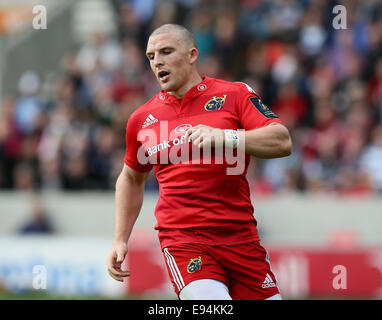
216 103
182 128
265 111
194 265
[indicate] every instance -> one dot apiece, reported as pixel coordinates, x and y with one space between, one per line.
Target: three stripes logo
173 267
149 121
268 282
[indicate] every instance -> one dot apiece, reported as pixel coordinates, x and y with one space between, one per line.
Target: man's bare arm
128 202
271 141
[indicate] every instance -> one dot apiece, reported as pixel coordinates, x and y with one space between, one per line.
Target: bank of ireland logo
216 103
194 264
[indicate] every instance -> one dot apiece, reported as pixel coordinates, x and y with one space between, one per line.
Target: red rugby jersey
197 203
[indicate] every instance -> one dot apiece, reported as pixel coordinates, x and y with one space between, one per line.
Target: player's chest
164 128
215 110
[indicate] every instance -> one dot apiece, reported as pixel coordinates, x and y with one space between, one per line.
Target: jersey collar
196 90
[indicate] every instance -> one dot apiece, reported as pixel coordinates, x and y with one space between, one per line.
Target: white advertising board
58 264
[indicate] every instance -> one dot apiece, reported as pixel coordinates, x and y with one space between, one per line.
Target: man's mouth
163 75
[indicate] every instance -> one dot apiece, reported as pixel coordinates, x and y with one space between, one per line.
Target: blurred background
67 90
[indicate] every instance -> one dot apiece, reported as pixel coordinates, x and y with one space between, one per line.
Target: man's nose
157 61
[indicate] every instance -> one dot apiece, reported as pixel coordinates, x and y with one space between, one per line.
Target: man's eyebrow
161 49
166 47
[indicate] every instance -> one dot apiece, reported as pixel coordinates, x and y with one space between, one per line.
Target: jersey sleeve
252 112
133 149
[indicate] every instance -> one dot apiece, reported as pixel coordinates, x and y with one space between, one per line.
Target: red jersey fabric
198 202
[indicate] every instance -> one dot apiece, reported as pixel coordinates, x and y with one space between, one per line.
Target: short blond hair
185 35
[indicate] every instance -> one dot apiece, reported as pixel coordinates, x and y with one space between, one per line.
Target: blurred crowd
324 83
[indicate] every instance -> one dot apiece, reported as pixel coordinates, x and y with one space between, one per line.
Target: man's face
169 60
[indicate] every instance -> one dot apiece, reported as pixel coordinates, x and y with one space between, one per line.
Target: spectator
100 158
39 221
201 27
10 143
290 105
371 158
28 104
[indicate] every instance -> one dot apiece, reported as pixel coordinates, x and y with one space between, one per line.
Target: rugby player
205 220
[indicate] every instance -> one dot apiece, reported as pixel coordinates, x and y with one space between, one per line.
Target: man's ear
193 55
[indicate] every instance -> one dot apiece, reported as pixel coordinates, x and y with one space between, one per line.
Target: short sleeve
252 112
134 155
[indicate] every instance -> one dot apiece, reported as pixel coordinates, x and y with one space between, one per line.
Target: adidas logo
268 282
149 121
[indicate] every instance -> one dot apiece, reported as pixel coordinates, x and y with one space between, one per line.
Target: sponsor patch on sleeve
263 109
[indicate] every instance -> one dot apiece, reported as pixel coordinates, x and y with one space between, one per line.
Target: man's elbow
282 149
286 148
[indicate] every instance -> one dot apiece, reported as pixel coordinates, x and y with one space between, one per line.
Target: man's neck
193 81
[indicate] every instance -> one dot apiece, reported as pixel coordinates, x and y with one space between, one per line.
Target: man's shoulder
234 86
